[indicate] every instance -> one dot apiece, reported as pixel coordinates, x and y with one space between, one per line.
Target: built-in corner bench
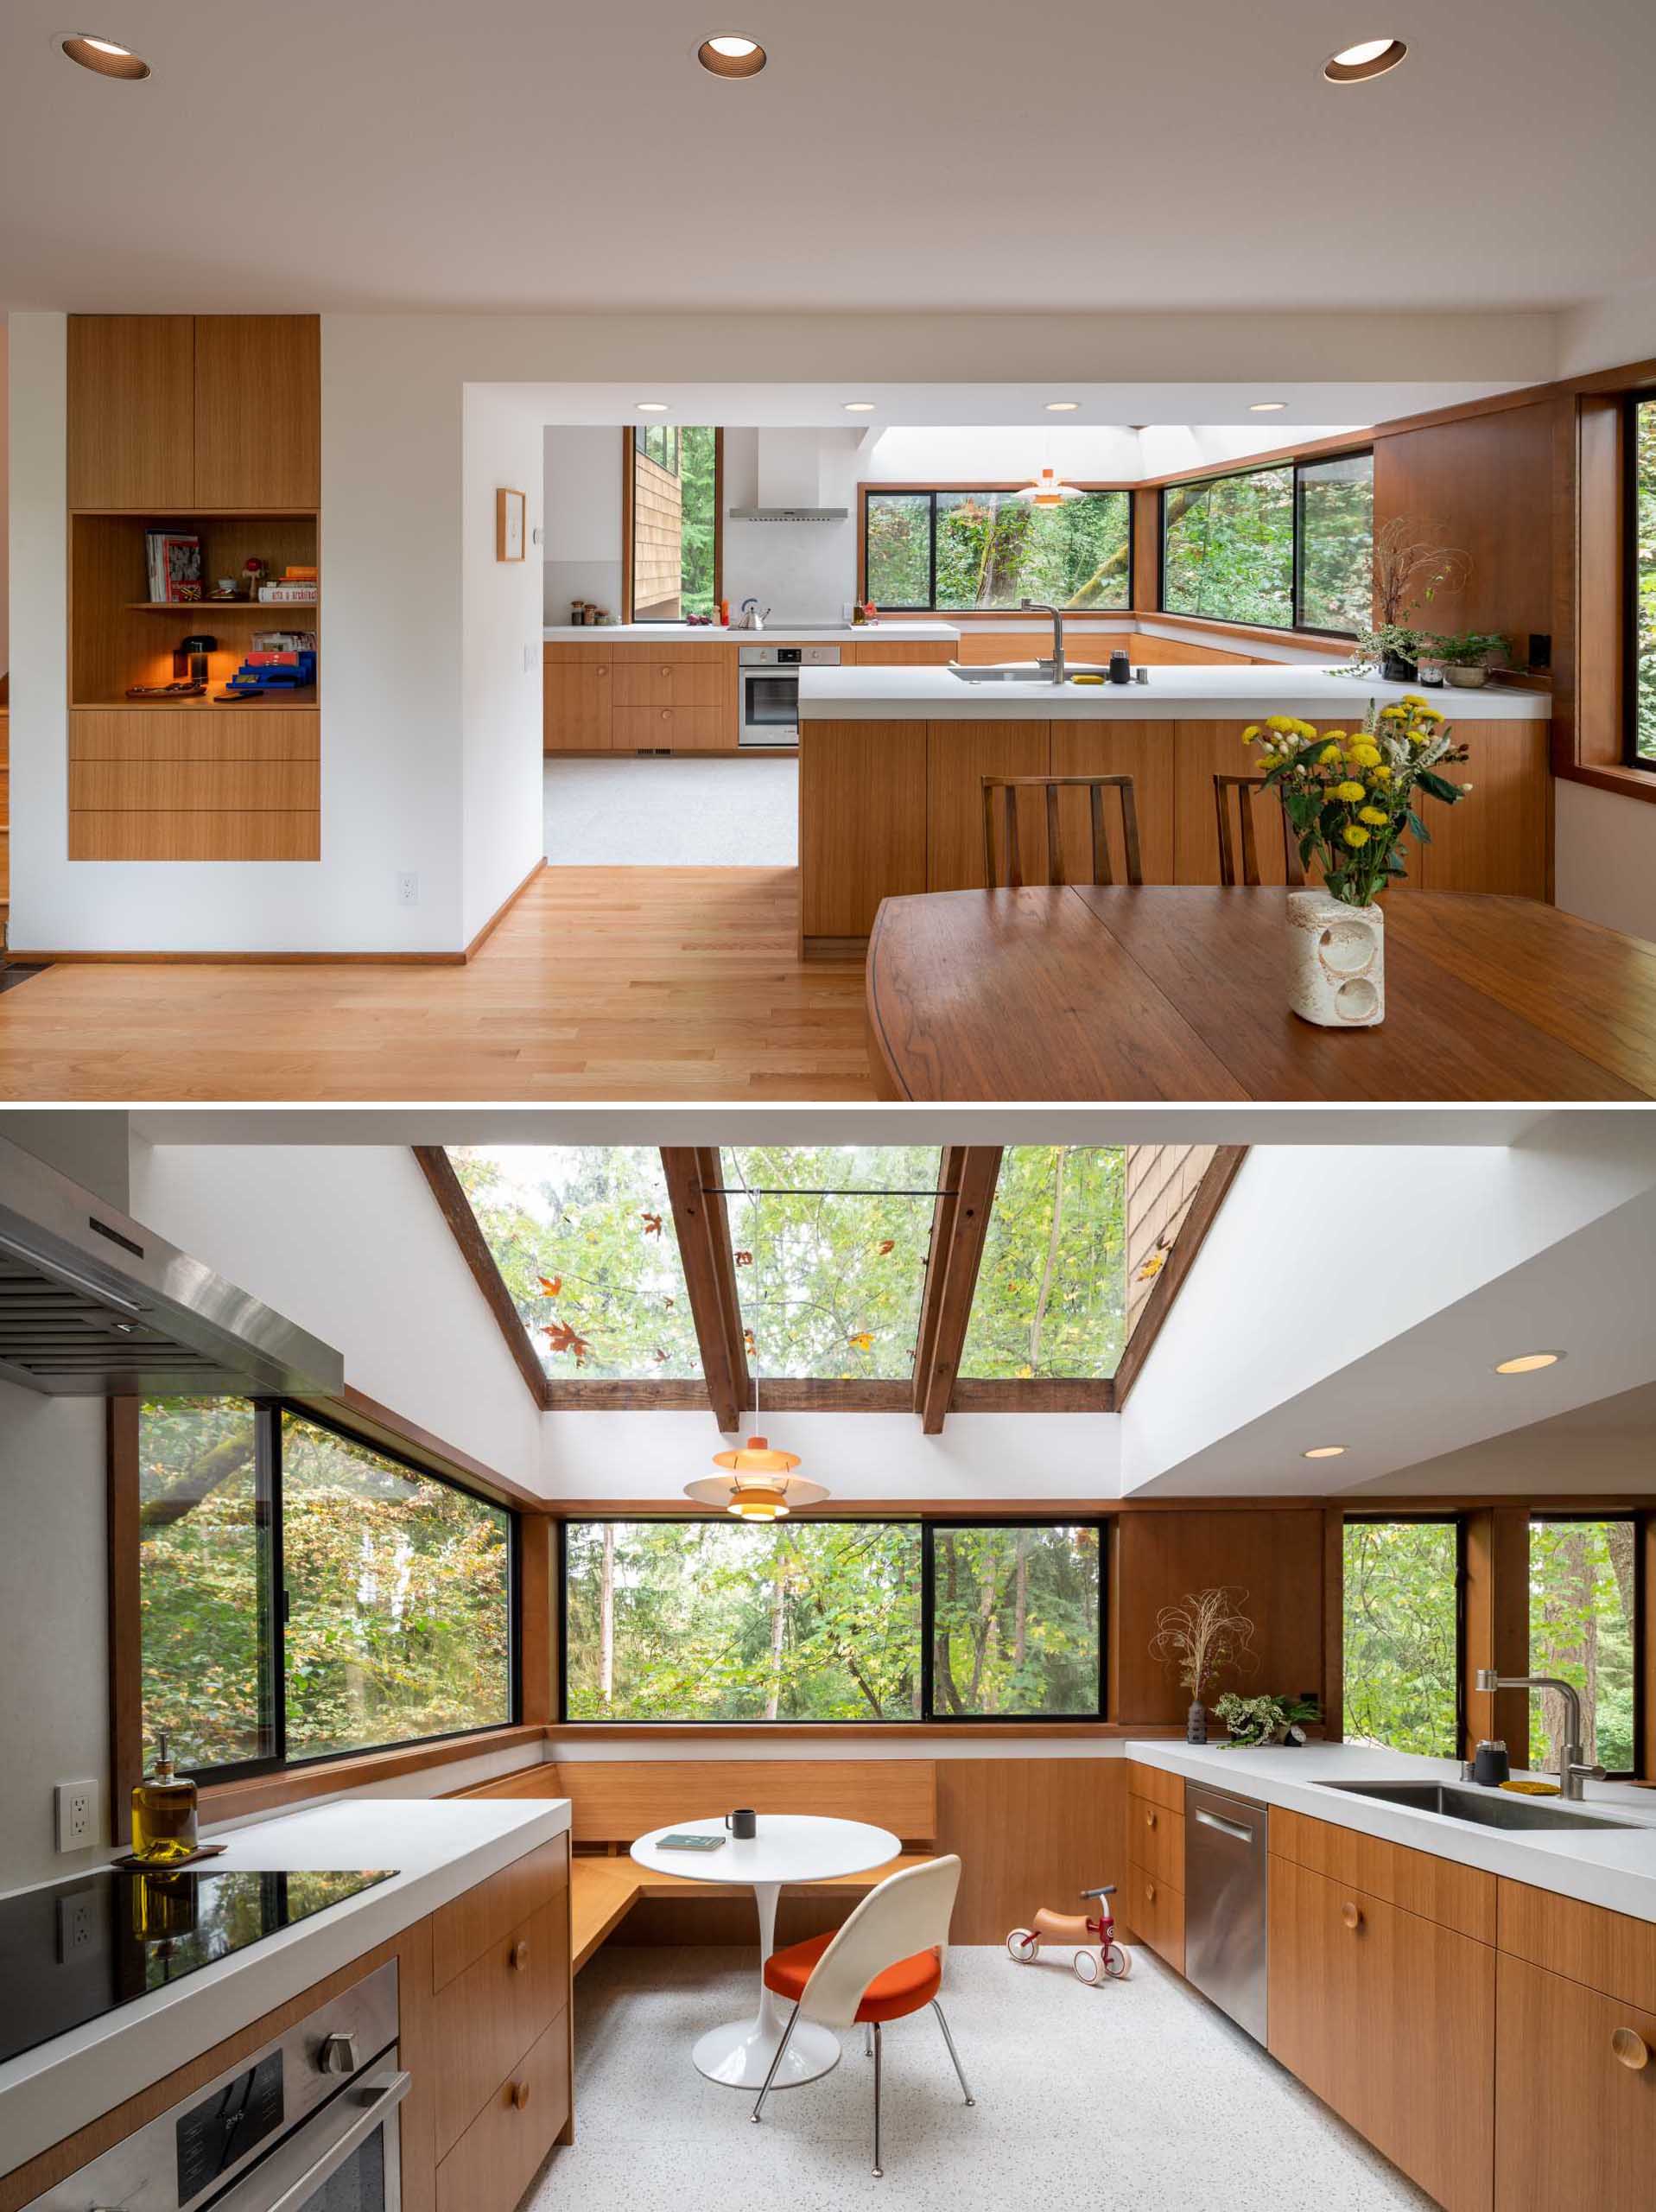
613 1801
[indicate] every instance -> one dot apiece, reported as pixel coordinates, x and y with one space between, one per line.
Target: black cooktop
80 1948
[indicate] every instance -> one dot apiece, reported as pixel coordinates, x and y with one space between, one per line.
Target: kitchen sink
1489 1808
1022 671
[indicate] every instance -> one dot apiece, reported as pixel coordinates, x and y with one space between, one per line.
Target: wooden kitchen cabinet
677 729
1156 1841
259 410
1575 2095
899 653
131 410
1499 838
498 2156
1141 750
1154 1910
574 702
959 755
1390 2019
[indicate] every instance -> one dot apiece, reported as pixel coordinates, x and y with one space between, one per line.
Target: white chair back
909 1912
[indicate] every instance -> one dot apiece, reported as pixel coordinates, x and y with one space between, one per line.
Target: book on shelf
284 641
173 562
285 594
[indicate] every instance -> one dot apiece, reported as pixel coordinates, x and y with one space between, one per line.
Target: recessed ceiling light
104 57
1526 1363
1266 406
1372 57
727 54
1325 1452
1061 406
858 406
652 407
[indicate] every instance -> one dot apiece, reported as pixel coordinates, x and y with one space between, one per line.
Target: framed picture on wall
510 511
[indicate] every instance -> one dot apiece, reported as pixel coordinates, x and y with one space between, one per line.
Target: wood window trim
456 1208
1211 1195
263 1792
629 447
989 615
702 1224
960 1222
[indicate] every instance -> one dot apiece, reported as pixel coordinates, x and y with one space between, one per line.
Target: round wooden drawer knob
1630 2048
519 1957
520 2094
666 714
1351 1915
667 671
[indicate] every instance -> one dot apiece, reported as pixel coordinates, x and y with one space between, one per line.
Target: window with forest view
952 551
302 1594
1281 547
1583 1582
1052 1295
676 523
1643 612
1403 1636
797 1621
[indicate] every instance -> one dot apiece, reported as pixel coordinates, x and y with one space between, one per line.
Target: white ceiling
509 156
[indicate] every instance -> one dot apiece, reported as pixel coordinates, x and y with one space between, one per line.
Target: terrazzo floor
1139 2096
686 813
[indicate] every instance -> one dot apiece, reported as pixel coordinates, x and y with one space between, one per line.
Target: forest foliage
722 1621
993 549
1645 580
1229 544
397 1590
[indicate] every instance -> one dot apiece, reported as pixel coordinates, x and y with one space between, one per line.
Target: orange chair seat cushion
900 1990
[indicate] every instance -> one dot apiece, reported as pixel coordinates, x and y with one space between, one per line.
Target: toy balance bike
1108 1959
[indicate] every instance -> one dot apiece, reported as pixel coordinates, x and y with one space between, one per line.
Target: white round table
789 1848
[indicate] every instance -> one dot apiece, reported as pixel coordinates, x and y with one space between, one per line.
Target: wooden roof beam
702 1227
439 1171
960 1222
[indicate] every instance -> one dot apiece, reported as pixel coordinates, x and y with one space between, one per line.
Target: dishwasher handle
1225 1827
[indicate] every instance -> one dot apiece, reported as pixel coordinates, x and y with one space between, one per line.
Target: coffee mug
744 1823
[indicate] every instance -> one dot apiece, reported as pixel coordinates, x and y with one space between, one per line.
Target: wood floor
626 982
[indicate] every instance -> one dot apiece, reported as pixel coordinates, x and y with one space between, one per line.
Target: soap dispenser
163 1812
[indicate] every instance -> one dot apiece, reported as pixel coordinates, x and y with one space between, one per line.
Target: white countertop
1173 692
1614 1867
439 1847
774 633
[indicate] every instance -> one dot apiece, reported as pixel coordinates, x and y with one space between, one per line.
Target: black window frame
1297 625
1556 1516
931 493
925 1525
1631 756
1427 1520
267 1416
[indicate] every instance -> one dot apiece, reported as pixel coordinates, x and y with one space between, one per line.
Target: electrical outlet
407 890
78 1810
78 1926
529 660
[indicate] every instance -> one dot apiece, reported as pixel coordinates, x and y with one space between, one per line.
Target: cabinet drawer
133 734
1575 2122
474 1923
490 2016
695 681
694 728
1608 1951
1438 1888
1156 1841
1160 1788
495 2159
1156 1914
195 787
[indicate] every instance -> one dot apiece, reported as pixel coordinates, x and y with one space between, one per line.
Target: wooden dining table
1084 991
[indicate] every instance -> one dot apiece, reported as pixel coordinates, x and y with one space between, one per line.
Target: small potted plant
1469 656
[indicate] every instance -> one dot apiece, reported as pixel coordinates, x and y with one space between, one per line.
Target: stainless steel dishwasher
1225 1904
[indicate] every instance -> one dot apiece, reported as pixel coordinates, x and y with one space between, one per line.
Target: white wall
54 1625
1604 849
857 1455
349 1243
500 662
582 553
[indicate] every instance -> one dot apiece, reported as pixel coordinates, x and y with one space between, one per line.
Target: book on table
688 1842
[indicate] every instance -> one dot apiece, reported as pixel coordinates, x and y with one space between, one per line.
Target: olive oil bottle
163 1812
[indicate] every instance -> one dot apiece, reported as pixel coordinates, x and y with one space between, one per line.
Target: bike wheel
1085 1965
1023 1945
1118 1962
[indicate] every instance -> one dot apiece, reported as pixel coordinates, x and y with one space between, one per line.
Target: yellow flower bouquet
1352 797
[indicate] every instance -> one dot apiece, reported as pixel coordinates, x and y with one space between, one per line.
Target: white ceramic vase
1336 962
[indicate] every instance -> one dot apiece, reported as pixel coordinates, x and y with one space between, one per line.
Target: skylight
1051 1295
583 1237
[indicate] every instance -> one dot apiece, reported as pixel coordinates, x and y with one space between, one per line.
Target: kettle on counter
751 616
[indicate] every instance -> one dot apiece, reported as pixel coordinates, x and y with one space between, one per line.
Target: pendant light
1048 490
759 1483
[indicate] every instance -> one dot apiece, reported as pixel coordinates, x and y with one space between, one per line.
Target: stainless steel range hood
92 1305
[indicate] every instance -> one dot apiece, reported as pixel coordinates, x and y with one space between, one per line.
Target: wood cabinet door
131 410
1201 751
862 822
902 652
959 755
259 410
1141 750
1574 2122
1496 838
1390 2019
575 705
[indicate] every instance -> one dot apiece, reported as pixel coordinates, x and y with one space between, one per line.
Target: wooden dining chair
1245 786
1095 787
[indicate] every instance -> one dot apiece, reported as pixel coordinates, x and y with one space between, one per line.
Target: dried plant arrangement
1411 564
1206 1635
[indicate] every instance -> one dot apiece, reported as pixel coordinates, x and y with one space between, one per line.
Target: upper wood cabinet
198 411
131 410
258 437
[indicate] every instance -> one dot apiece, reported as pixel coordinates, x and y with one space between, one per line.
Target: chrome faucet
1039 606
1572 1772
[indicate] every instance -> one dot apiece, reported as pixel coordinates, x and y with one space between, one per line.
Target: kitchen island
892 760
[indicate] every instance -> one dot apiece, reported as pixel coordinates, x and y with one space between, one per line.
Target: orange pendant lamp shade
759 1484
756 1458
1048 490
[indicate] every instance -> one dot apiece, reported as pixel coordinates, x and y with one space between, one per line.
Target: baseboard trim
501 912
28 957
